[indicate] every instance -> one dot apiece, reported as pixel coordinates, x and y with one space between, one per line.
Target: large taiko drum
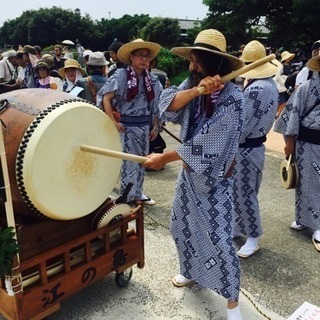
50 177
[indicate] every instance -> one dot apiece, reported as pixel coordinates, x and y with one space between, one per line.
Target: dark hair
212 63
38 49
115 46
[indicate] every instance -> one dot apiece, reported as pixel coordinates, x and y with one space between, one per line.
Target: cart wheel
122 279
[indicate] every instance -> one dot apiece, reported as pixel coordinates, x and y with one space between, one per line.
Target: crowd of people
223 130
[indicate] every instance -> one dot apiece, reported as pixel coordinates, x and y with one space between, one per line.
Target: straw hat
41 64
314 64
210 40
125 50
254 51
70 63
286 55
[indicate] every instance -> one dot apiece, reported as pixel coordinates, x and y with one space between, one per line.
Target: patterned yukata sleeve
165 100
110 85
289 119
214 146
261 103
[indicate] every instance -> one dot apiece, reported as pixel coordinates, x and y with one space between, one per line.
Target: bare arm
157 161
290 144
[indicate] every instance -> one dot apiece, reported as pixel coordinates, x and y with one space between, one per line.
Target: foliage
290 22
170 63
49 26
162 30
124 29
8 249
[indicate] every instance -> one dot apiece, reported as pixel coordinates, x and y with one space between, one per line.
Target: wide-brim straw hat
125 50
286 55
254 51
70 63
210 40
41 64
314 64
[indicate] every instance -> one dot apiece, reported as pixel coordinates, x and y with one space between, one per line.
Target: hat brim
288 57
125 50
266 70
62 73
314 64
68 42
184 52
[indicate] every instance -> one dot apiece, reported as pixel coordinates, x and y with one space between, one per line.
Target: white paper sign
306 311
75 91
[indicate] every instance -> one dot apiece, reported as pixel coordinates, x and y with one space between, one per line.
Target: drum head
54 176
111 216
288 174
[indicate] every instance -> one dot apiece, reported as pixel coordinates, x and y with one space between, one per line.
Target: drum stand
47 275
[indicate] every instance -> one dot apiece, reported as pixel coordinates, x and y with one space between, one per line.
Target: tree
49 26
124 29
165 31
291 22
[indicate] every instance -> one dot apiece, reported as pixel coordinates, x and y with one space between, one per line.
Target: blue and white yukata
261 99
203 202
301 119
137 116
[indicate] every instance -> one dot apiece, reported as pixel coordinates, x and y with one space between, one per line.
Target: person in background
305 74
44 80
97 69
158 144
38 51
80 50
281 77
300 127
58 57
29 55
71 73
117 63
48 59
202 209
134 93
86 54
9 67
261 98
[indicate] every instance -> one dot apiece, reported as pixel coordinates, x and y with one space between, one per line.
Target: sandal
146 201
315 239
180 281
297 226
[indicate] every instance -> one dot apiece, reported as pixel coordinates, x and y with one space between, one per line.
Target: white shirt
7 71
302 76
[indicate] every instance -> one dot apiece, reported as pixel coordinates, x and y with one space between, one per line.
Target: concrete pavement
275 281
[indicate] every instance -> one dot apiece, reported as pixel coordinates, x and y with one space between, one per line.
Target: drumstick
289 162
114 154
242 70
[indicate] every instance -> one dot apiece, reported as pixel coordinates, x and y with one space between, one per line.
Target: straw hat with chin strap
286 55
125 50
254 51
210 40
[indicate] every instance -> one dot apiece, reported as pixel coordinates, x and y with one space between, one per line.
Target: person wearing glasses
134 93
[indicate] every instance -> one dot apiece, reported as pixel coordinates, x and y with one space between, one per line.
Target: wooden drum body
50 177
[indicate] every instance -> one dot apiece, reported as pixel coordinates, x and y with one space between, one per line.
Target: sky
98 9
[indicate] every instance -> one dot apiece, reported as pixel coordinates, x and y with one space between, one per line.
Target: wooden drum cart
77 234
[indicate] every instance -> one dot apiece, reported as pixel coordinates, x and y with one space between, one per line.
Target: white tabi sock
234 314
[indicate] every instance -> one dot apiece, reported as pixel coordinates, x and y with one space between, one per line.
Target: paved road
275 281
